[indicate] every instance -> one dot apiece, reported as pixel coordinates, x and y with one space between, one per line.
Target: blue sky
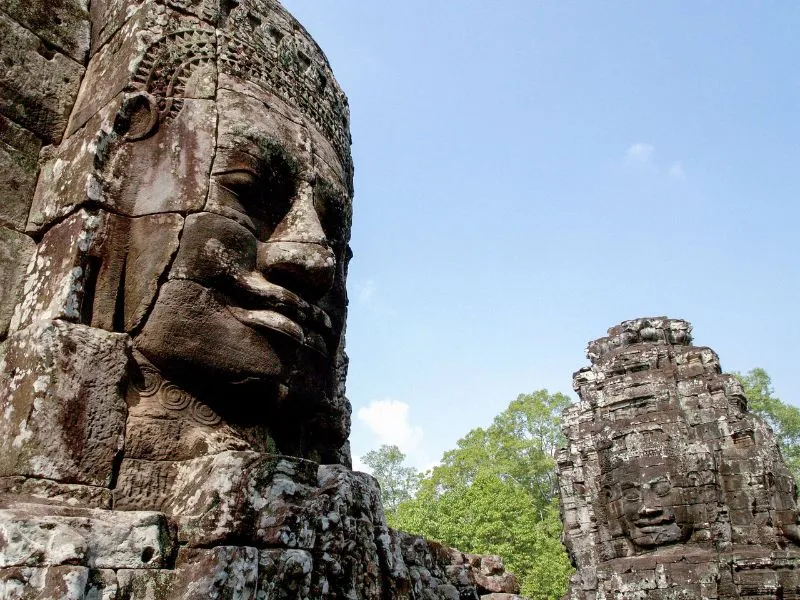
529 174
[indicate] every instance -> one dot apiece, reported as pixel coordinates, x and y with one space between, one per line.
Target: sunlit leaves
495 494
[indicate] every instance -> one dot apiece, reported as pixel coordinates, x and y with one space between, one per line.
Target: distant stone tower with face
669 487
175 209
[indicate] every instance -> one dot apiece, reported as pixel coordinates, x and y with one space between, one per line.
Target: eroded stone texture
51 583
38 84
68 175
311 531
74 260
46 491
62 412
35 535
62 24
19 152
16 251
669 487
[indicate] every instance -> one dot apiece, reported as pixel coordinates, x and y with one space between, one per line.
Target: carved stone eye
661 488
278 171
332 210
264 190
631 494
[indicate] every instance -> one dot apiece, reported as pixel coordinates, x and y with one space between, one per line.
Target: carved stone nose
648 510
297 255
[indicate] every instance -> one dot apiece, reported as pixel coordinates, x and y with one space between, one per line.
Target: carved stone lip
261 304
654 525
275 321
269 319
311 330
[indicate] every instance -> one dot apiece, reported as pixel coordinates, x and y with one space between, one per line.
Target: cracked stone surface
16 251
62 413
38 84
669 487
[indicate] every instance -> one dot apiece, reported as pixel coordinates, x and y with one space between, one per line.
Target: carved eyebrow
269 147
260 139
235 171
659 479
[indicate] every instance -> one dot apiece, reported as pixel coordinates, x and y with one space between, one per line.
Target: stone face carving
669 487
175 209
201 204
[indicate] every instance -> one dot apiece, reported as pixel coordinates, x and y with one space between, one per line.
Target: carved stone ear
138 117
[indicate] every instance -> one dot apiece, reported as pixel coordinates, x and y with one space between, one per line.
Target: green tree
783 418
398 482
495 494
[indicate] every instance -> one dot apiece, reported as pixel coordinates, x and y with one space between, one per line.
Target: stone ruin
175 209
670 488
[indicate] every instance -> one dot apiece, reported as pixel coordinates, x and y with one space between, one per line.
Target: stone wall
43 49
312 532
669 487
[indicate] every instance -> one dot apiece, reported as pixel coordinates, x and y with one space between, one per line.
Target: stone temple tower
669 487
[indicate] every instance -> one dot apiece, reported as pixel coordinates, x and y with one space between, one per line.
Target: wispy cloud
641 157
640 153
389 421
365 292
676 171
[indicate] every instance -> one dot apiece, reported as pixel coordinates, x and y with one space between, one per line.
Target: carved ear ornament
256 46
138 117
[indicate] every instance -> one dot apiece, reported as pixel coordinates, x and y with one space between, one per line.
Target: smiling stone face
651 504
259 272
669 487
253 305
201 203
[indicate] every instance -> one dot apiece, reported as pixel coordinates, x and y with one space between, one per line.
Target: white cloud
365 292
388 421
640 153
641 157
676 171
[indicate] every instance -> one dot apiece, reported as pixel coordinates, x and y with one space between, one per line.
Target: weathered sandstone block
34 535
62 24
62 409
63 273
38 84
16 252
19 155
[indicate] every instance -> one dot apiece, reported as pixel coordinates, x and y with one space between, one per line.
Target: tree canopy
398 482
784 419
495 494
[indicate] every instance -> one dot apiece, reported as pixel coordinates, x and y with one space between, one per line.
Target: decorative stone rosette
173 398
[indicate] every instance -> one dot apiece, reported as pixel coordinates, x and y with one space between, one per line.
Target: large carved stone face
649 498
200 202
257 287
